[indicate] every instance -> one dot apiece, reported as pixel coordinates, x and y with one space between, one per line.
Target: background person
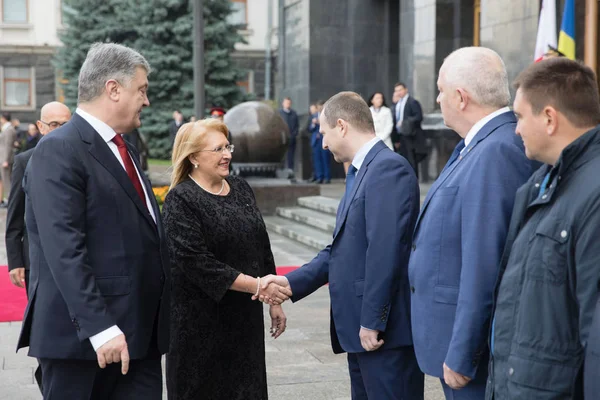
382 118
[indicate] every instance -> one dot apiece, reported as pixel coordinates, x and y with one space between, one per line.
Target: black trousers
85 380
408 150
38 371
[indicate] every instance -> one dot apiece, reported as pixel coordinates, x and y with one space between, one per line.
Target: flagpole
198 58
591 33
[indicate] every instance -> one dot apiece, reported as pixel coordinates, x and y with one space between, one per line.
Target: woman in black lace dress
219 246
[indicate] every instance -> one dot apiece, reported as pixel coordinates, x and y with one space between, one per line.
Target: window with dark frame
17 87
14 11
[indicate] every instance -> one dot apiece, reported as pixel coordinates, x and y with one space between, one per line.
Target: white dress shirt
361 154
107 133
400 109
480 124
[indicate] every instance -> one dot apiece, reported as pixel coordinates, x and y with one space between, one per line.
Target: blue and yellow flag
566 38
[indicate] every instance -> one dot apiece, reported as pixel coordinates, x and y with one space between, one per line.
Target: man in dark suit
17 244
407 133
98 315
291 119
17 249
175 124
366 263
462 227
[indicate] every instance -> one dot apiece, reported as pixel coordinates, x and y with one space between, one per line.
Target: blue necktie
350 180
349 183
455 153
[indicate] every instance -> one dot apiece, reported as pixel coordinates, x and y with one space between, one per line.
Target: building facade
260 32
367 45
28 40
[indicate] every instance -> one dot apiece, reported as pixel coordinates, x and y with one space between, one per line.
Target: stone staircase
311 222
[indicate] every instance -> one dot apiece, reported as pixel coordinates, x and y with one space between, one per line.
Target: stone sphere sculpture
259 134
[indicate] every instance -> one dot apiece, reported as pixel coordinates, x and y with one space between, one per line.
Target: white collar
481 123
361 154
102 128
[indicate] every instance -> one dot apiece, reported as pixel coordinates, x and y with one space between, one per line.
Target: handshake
273 290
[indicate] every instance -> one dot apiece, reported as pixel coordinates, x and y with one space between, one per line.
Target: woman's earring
195 165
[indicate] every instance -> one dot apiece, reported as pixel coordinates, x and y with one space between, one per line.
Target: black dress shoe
328 181
320 181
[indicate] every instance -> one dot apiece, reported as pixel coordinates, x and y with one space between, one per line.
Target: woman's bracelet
257 286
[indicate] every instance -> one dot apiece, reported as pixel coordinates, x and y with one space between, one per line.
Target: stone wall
511 31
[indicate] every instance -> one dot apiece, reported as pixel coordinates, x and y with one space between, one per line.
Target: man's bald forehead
54 108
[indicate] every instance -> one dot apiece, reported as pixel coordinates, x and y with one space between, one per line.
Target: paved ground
300 363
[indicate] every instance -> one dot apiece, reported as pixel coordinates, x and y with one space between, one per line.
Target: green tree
162 31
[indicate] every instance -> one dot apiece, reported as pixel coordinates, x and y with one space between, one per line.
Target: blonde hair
190 139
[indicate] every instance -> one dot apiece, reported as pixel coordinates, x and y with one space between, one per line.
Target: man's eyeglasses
218 150
54 124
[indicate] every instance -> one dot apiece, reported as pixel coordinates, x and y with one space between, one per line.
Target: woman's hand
278 321
273 290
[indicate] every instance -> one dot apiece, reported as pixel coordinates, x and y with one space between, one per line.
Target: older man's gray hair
481 72
105 61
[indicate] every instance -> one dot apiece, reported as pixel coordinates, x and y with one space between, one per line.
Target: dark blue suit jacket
316 139
458 242
366 263
97 257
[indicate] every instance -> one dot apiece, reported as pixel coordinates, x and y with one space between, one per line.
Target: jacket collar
484 133
580 151
343 213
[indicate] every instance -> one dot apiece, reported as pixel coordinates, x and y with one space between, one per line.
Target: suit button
414 247
162 279
511 371
412 289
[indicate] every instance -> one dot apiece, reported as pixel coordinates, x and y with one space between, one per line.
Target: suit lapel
99 149
357 181
483 133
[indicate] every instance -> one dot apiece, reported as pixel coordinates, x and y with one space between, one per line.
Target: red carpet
12 299
285 270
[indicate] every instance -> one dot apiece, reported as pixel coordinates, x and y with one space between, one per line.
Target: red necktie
129 167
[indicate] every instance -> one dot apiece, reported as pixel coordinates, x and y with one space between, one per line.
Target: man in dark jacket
550 270
291 119
407 134
52 116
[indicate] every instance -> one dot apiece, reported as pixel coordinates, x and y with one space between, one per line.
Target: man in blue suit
366 263
462 227
321 156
